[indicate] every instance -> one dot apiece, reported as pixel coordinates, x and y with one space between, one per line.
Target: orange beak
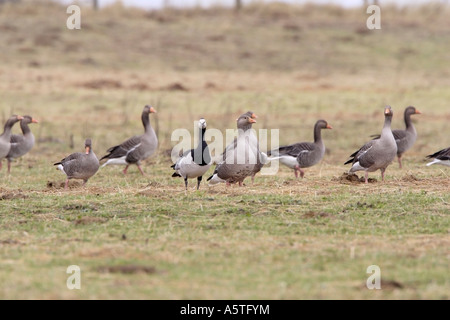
34 121
251 120
88 149
418 112
254 116
329 127
152 110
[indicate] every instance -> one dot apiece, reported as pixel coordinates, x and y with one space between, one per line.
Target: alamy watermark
374 281
73 281
73 22
374 21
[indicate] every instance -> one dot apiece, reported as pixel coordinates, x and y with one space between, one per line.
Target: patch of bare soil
102 84
127 269
210 85
89 220
175 87
350 178
391 285
410 178
60 185
11 195
316 215
139 86
9 241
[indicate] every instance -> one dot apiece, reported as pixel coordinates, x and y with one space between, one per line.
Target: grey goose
79 165
303 154
377 154
262 158
441 157
195 162
135 149
5 138
21 144
405 139
240 158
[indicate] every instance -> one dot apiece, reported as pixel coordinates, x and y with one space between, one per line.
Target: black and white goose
21 144
5 137
304 154
79 165
405 139
376 154
441 157
195 162
135 149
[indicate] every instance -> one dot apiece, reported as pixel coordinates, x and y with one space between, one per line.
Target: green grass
281 238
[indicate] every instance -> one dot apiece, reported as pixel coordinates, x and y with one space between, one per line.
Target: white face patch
202 123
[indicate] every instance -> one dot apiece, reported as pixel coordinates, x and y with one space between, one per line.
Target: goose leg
382 174
400 161
125 170
240 183
298 169
366 177
228 184
140 169
302 173
186 182
199 179
253 178
66 186
9 166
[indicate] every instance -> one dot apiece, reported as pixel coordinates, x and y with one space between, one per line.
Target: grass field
138 237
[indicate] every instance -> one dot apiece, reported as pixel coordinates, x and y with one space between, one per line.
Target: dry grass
281 238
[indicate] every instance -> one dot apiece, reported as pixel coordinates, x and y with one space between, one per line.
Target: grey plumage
80 165
376 154
405 139
135 149
240 159
303 154
5 138
262 157
21 144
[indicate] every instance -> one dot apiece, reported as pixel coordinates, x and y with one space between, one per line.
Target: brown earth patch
11 195
127 269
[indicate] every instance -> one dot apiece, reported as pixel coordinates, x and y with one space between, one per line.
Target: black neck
201 136
201 154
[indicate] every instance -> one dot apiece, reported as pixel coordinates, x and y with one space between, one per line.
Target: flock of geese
239 160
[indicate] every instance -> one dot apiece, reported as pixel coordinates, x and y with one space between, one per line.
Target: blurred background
290 62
